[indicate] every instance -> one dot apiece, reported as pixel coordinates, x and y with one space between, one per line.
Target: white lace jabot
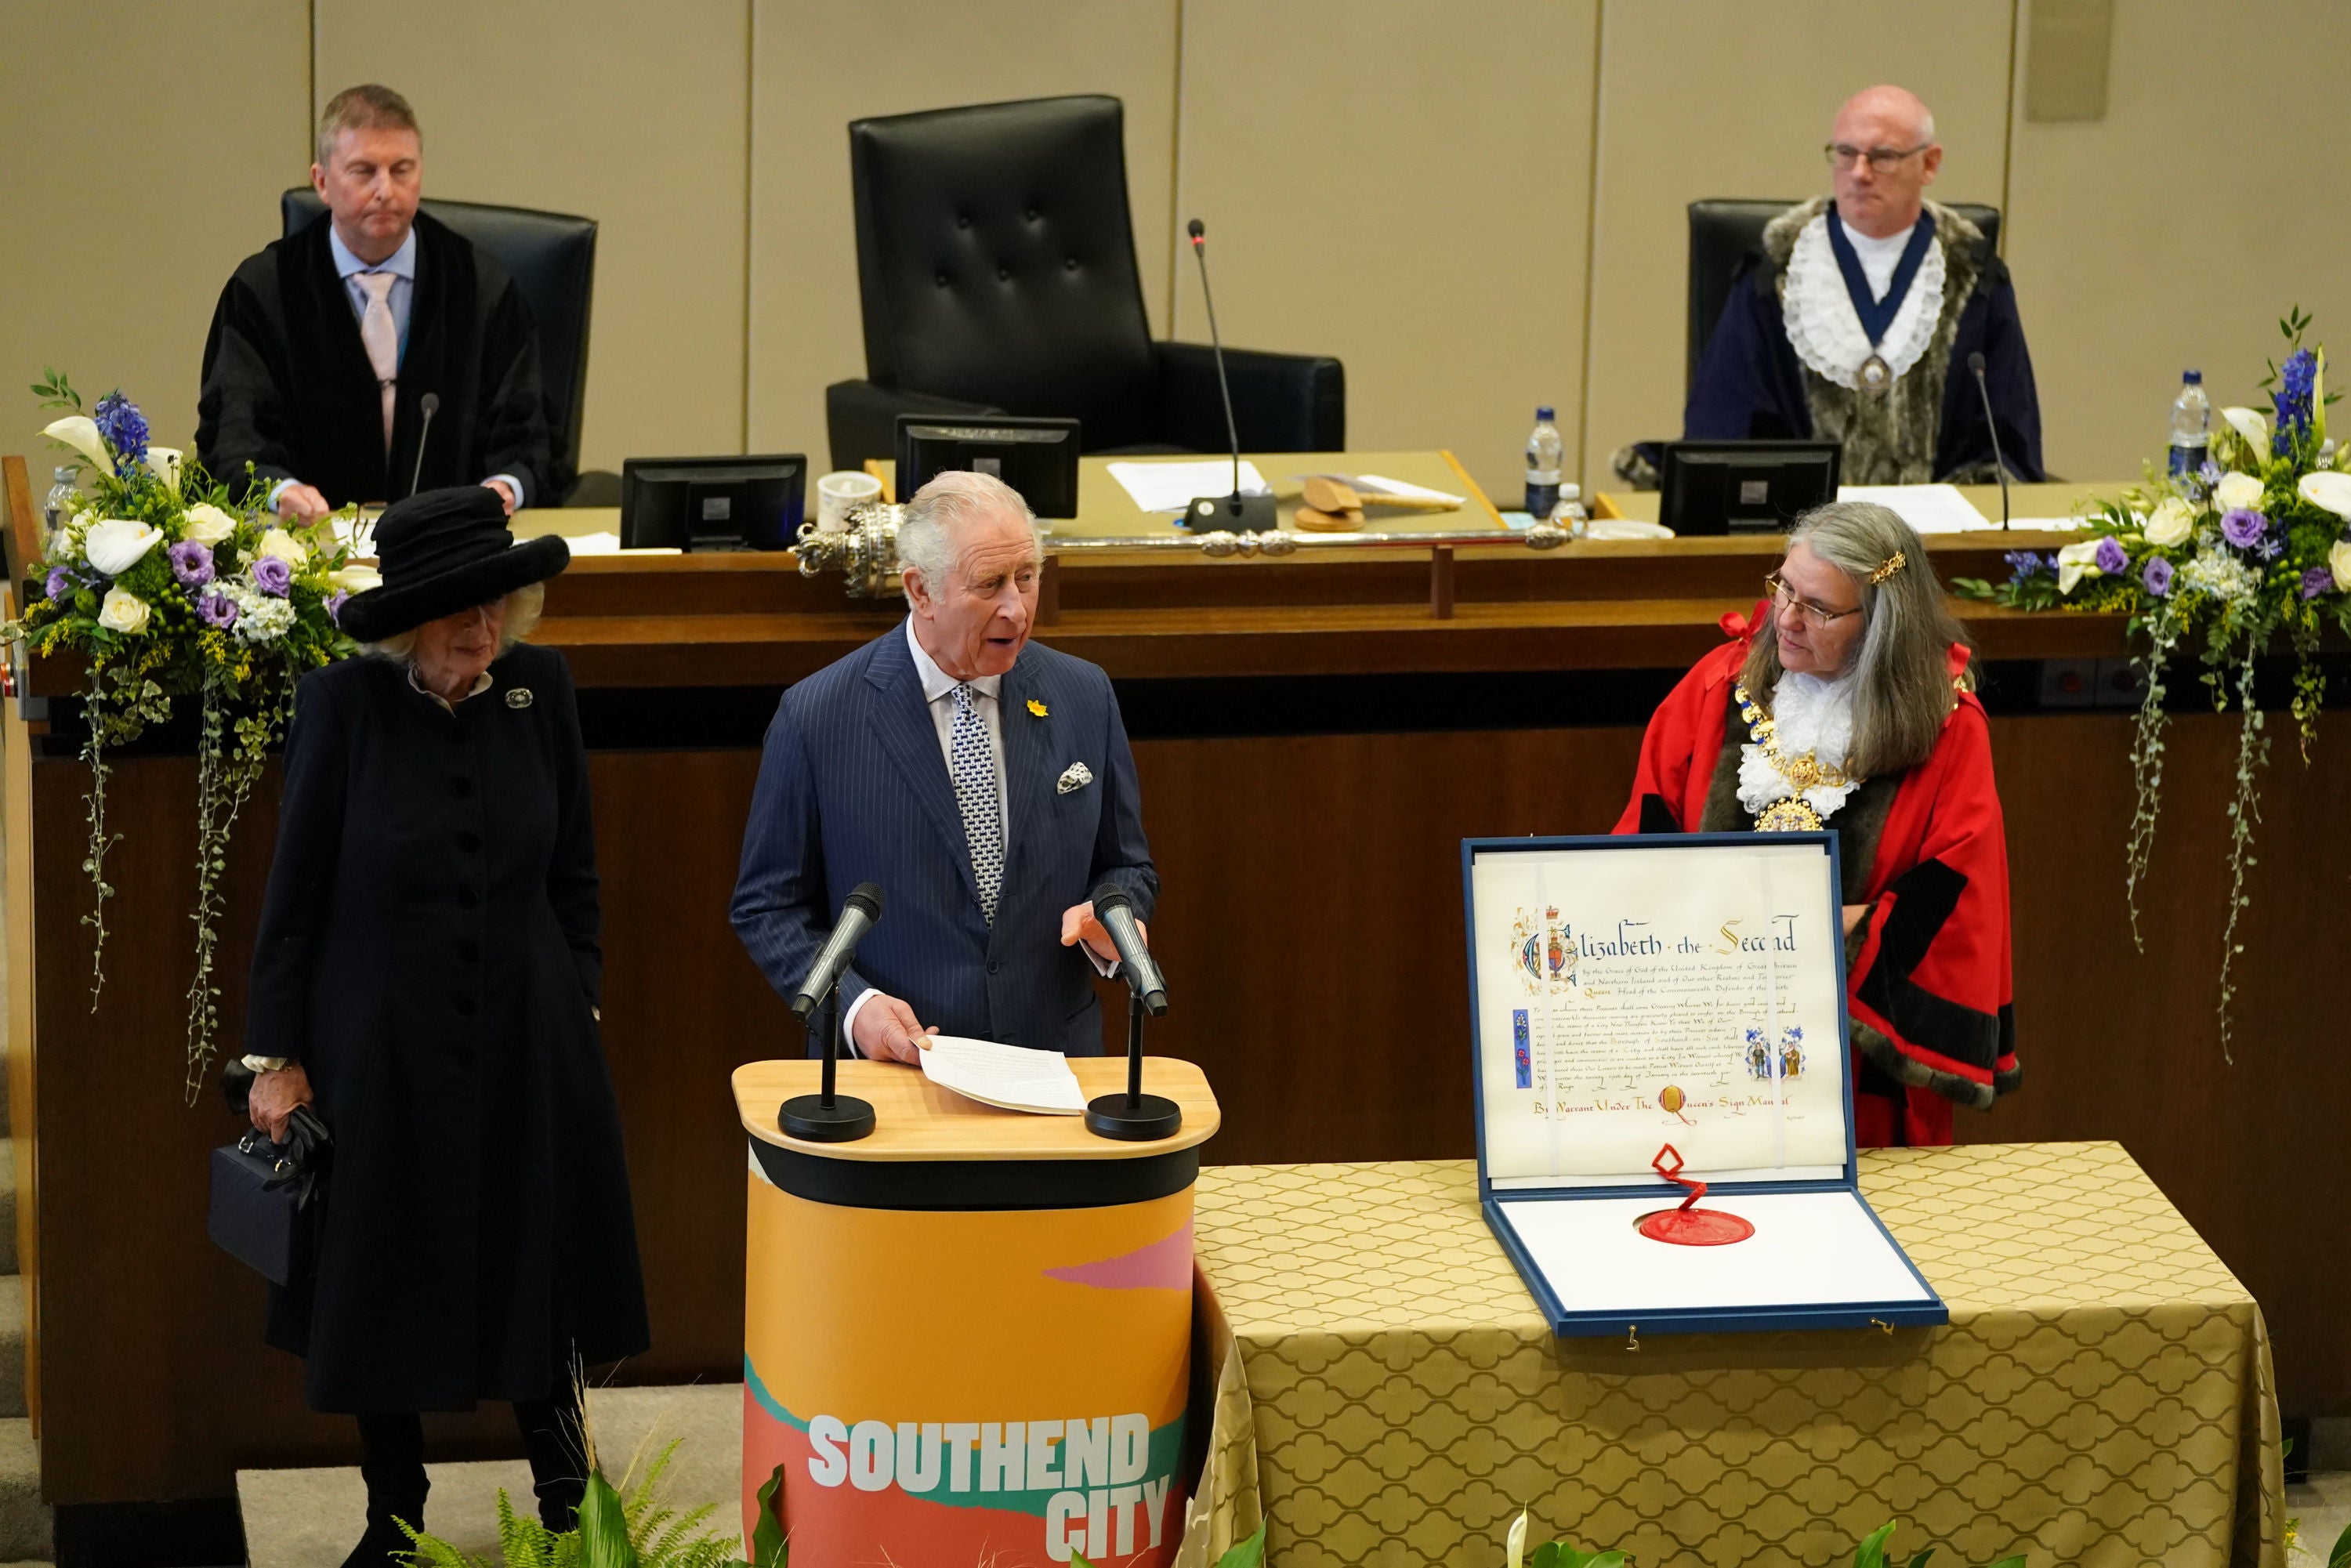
1813 716
1825 331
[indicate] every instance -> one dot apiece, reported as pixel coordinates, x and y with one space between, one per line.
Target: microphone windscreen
1110 895
1975 361
1196 229
866 897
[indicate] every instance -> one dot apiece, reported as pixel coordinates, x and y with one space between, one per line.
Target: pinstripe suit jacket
852 787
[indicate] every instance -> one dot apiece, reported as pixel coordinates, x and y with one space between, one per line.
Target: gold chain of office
1791 813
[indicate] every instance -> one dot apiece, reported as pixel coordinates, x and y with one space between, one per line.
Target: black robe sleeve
513 436
301 876
241 410
1748 386
572 885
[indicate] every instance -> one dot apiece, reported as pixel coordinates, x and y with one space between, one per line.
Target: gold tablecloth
1387 1393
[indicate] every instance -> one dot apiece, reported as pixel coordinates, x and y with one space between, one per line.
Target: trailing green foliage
618 1529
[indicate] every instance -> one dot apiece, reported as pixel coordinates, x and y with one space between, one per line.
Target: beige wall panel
821 64
137 155
2175 231
1725 98
628 113
1404 186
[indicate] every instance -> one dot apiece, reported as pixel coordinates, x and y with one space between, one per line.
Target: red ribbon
1673 1174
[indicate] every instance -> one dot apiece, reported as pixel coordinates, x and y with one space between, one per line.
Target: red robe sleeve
1929 986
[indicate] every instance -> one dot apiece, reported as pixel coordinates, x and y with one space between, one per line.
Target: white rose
285 547
356 578
2327 490
2252 424
166 462
122 611
2338 561
208 525
2173 522
118 544
2236 490
2076 561
79 432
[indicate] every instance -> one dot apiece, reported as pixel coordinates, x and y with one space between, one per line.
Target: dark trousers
393 1460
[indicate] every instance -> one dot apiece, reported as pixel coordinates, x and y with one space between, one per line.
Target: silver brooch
1076 776
518 696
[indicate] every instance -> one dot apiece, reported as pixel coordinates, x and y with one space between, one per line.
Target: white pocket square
1075 776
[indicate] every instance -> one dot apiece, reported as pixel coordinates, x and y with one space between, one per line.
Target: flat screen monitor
712 503
1038 457
1744 486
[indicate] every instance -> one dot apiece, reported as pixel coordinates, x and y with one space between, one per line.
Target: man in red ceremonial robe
1846 704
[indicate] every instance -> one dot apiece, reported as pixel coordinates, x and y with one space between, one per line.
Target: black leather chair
1723 233
995 267
551 257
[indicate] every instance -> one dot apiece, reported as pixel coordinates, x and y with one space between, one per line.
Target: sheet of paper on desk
1172 486
1372 486
1010 1077
1929 508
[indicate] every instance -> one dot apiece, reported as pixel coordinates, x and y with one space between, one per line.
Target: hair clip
1891 565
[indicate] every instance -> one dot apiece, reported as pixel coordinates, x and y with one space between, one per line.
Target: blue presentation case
1854 1275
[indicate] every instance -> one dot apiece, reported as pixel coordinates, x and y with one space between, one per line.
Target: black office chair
551 257
996 265
1724 233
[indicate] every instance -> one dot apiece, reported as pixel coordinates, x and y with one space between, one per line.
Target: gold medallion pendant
1875 375
1789 816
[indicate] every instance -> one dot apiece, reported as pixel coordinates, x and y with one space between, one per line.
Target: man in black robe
326 344
1857 322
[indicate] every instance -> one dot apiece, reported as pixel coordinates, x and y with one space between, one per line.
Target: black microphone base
1233 514
808 1117
1136 1120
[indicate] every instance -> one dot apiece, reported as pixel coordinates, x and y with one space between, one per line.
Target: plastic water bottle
60 499
1544 453
2192 426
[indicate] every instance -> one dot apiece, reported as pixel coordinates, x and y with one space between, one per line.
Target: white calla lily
166 462
1514 1548
2329 490
2173 522
117 544
208 525
285 547
2076 562
356 578
79 432
2251 424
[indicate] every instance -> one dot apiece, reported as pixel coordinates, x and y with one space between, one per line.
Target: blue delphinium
124 428
2024 563
2297 385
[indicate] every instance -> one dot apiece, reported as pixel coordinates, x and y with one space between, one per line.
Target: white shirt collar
938 683
401 263
482 683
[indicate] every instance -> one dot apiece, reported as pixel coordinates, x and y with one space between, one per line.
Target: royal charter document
1632 997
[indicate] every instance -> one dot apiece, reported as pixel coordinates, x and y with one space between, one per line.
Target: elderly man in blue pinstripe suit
984 783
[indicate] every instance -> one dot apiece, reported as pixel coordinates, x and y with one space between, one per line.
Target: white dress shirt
401 300
1878 259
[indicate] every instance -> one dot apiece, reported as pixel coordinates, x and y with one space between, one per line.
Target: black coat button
1003 274
941 280
991 965
1030 215
465 1007
469 842
1069 264
962 220
468 899
460 787
469 950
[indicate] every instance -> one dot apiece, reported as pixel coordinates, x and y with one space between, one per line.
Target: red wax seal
1689 1226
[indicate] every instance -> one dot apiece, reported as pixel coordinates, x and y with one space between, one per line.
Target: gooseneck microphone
859 914
1115 910
1976 363
431 405
1237 512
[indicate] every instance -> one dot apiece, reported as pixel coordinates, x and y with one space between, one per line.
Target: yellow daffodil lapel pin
1036 707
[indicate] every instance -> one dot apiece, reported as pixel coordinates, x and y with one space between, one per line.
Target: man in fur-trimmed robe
1856 322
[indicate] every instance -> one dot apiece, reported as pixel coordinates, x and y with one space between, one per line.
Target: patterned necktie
975 787
382 340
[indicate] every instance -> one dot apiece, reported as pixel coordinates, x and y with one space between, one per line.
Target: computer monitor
1038 457
712 503
1744 486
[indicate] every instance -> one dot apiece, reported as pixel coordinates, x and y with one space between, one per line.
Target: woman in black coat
426 975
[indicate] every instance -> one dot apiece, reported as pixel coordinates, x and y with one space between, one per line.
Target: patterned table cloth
1386 1392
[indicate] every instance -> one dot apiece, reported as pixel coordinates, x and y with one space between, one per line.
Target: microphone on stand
1976 363
858 914
1236 513
1132 1117
825 1117
1117 912
431 405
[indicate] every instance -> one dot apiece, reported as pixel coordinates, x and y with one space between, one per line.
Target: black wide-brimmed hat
442 551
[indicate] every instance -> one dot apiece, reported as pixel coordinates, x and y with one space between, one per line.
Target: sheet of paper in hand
1637 997
1011 1077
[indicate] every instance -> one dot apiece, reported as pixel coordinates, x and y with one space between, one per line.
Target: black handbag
266 1199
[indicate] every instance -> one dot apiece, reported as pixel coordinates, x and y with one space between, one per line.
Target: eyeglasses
1815 615
1882 160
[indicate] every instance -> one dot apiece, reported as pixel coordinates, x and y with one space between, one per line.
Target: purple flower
2316 581
2244 526
192 563
124 428
2298 382
272 575
335 606
2210 473
2022 562
218 611
2157 575
2111 558
60 583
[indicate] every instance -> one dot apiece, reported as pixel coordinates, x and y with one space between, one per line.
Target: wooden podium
969 1332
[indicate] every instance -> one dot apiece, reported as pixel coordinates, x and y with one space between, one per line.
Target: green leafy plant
629 1528
2339 1556
1249 1553
1869 1554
